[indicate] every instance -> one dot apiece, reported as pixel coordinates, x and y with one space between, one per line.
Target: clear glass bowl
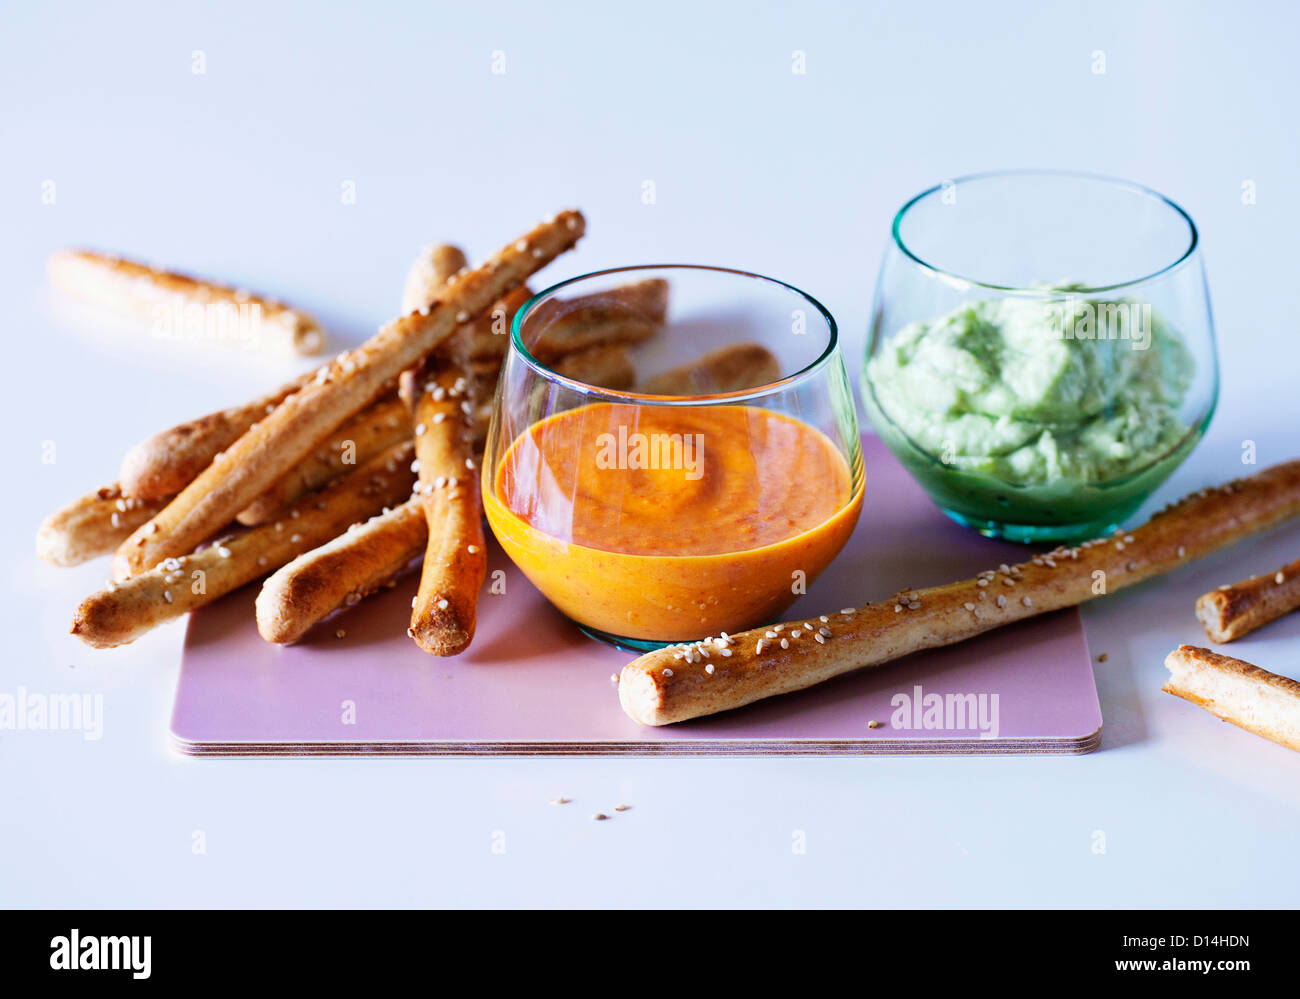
665 504
1041 354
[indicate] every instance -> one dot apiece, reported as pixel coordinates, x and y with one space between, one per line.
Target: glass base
1032 534
637 645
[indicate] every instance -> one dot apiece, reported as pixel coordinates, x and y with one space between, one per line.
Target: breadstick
729 369
139 290
441 398
1234 691
490 331
167 462
1232 611
340 572
629 313
341 388
605 366
123 612
428 273
365 435
682 682
92 526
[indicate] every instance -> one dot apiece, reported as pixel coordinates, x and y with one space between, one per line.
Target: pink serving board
533 684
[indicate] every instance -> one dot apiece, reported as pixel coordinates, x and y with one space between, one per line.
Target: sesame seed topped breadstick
92 526
137 289
687 681
341 388
441 396
124 611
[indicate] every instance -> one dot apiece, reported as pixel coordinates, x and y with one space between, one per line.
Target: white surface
237 174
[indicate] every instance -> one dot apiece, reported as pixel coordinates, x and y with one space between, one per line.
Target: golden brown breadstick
340 572
370 432
92 526
167 462
627 314
729 369
1232 611
682 682
140 290
441 398
341 388
122 612
1234 691
490 331
606 365
429 272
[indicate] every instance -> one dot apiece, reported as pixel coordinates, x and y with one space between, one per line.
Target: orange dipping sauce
671 523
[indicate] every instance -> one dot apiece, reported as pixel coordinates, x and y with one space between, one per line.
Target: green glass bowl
1022 235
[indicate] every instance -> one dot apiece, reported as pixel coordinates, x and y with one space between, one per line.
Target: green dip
1035 411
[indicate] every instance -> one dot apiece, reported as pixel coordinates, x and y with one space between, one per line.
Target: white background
237 173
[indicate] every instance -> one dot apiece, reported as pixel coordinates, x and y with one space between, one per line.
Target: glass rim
643 398
1117 182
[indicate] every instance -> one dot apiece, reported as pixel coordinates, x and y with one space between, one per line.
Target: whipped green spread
1036 391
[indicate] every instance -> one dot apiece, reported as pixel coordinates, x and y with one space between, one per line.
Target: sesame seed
117 520
1128 538
442 604
613 678
1026 601
472 549
874 724
1002 600
419 429
785 643
981 582
521 245
823 619
668 672
223 551
295 538
796 633
758 649
1131 566
769 634
167 595
820 638
848 610
340 633
723 652
1008 581
1181 551
1119 546
439 417
462 316
600 816
969 606
1279 577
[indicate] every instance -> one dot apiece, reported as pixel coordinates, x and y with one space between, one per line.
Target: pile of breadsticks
336 482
